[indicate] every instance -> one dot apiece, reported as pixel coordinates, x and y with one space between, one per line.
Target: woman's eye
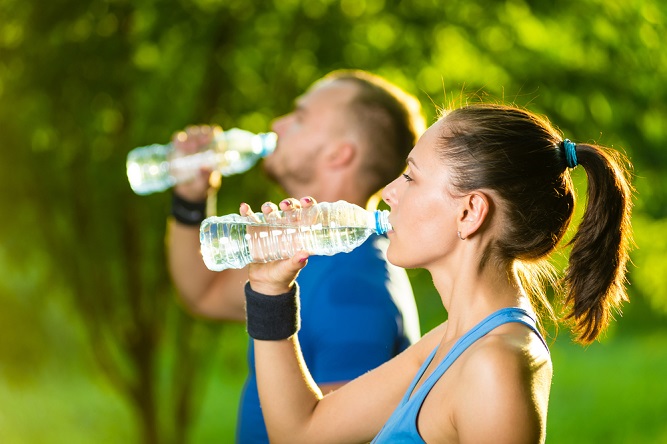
407 178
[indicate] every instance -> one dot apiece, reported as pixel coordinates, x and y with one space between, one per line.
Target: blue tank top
401 428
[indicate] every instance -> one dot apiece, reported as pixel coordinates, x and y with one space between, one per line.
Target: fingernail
287 202
307 199
302 260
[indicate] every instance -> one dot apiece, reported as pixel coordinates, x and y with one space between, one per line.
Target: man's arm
213 295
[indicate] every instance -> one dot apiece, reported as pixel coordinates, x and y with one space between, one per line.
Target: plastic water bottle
156 167
234 241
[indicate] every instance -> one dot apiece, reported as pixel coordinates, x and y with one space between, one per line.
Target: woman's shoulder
509 347
505 378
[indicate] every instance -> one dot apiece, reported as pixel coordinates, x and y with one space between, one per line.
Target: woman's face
423 210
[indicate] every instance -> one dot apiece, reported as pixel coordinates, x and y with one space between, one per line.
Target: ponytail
595 277
527 163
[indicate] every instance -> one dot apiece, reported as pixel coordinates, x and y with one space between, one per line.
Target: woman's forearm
288 394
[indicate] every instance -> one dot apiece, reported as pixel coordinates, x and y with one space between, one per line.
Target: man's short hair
388 119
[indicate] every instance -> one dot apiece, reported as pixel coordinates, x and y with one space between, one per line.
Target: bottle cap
382 224
269 141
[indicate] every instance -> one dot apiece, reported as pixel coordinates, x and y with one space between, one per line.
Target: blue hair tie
570 153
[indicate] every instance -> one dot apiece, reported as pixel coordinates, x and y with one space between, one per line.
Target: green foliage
83 82
612 392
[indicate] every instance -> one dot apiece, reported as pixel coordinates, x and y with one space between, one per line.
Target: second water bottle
157 167
234 241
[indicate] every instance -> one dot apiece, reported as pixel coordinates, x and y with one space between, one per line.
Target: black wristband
272 318
186 212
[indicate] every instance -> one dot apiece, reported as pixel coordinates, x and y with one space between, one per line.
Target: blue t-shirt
357 311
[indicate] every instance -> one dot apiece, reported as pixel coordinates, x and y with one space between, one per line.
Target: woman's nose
389 193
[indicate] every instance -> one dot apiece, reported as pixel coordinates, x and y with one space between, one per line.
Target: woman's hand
277 277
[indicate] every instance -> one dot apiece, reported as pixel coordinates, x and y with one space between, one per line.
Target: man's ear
474 211
341 154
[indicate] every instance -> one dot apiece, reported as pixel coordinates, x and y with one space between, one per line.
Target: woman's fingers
245 210
276 277
307 201
272 211
290 204
269 207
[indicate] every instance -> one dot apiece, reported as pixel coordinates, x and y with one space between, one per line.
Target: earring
459 233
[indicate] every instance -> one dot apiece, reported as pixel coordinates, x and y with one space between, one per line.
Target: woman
486 197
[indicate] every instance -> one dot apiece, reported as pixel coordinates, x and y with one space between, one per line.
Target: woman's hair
520 157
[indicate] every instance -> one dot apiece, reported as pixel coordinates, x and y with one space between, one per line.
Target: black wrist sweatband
272 318
186 212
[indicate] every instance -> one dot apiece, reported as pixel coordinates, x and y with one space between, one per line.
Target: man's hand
190 141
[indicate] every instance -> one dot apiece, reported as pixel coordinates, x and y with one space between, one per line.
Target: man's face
316 122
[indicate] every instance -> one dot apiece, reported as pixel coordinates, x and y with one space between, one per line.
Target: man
347 137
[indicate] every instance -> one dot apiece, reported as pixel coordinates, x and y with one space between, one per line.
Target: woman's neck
470 297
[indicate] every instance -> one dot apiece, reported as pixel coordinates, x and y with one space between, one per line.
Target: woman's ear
475 209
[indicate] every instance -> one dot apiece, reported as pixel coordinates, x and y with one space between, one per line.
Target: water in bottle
234 241
156 167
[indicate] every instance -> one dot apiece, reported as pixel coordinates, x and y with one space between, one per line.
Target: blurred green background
94 346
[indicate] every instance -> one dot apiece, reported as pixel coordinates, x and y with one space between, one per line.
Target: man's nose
279 123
